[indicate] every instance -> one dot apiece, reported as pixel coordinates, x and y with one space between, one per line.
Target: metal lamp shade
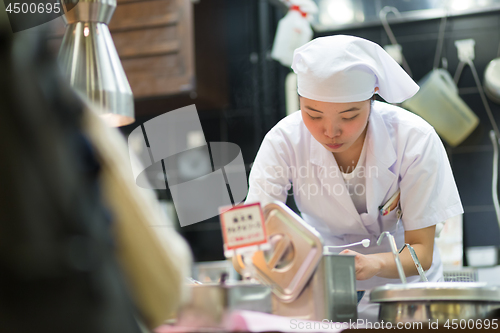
89 59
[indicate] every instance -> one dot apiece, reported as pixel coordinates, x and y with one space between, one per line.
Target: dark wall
233 40
241 32
245 31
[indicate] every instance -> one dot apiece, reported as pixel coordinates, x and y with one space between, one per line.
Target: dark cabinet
155 42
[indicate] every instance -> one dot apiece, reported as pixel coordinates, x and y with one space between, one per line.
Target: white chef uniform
401 151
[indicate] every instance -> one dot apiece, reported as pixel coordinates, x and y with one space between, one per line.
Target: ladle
365 242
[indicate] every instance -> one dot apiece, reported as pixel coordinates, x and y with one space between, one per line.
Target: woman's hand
366 266
383 264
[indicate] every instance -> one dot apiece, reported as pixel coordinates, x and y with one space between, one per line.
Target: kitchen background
224 67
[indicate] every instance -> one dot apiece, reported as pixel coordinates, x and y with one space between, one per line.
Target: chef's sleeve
270 173
429 194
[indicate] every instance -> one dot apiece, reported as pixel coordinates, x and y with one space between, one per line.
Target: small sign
243 226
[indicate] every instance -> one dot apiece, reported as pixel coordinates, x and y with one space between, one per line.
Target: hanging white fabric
293 31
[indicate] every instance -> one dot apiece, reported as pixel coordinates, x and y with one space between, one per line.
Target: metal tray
297 251
436 291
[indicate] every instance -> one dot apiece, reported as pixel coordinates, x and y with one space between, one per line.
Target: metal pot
435 301
210 302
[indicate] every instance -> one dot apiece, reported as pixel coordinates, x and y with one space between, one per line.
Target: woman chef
347 155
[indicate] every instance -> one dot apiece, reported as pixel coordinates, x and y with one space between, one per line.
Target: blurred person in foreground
74 255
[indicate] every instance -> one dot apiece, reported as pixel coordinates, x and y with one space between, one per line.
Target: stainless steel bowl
435 301
210 302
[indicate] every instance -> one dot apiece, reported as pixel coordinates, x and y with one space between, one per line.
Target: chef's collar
345 69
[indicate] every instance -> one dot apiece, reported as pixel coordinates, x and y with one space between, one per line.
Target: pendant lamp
89 59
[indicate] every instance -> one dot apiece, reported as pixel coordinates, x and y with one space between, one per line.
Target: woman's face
337 126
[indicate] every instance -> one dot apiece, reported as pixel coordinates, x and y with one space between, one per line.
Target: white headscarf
344 69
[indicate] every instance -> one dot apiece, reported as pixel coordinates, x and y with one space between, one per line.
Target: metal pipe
439 47
419 267
483 98
395 253
383 18
494 182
